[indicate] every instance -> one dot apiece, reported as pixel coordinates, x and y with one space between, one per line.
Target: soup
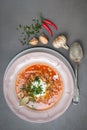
39 86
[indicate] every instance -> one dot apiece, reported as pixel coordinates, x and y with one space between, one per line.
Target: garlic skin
43 39
34 41
60 41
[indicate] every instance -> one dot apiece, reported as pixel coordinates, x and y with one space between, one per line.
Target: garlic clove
34 41
43 39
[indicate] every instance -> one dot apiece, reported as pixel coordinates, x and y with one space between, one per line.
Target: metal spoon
76 55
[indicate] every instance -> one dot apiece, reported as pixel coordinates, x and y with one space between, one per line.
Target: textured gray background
71 18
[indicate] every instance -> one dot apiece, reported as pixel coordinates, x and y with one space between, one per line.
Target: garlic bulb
43 39
60 41
33 41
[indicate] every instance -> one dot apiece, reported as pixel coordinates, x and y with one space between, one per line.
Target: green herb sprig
27 32
32 90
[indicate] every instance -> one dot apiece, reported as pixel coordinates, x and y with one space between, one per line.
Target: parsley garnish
32 89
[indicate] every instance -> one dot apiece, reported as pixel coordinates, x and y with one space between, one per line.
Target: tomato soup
39 86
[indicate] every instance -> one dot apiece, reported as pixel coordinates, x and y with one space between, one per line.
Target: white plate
30 56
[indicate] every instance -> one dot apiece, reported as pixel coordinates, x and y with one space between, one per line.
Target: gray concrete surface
71 18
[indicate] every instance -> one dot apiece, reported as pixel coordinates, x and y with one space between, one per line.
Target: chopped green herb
32 89
36 78
28 31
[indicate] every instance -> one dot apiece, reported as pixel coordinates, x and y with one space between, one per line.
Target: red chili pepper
47 28
51 23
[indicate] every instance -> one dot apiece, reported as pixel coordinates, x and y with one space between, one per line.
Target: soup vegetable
39 86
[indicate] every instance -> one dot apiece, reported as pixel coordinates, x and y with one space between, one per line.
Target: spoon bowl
76 52
76 55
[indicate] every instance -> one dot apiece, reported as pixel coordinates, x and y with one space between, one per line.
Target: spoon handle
76 98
